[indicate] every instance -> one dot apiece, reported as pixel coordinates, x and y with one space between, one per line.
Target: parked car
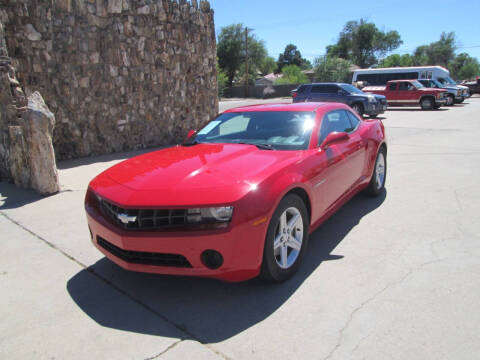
240 197
447 80
454 93
409 93
362 103
473 86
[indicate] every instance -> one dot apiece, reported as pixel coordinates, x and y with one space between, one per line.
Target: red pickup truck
409 93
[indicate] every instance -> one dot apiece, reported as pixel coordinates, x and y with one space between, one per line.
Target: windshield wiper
264 146
260 146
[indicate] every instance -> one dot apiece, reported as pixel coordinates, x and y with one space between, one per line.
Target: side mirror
333 138
191 133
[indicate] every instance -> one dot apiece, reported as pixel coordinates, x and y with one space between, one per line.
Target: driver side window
334 121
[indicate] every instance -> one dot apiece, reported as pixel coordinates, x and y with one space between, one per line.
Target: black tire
427 103
460 101
273 267
358 108
450 100
377 184
436 107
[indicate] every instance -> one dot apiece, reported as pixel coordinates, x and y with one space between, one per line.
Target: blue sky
313 24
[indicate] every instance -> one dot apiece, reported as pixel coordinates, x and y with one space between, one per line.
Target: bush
292 74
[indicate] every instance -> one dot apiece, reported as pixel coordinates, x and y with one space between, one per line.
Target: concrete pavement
395 277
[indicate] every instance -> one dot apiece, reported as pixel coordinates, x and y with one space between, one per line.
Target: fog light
212 259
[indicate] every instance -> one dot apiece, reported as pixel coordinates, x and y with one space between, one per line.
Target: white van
380 76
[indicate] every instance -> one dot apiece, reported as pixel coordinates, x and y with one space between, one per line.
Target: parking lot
394 277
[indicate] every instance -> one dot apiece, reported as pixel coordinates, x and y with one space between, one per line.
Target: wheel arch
302 194
427 96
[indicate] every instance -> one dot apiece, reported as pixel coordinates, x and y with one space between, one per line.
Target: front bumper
241 247
375 108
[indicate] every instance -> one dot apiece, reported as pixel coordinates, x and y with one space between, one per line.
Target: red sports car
239 198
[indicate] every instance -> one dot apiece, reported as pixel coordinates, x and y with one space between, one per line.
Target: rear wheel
358 108
286 239
377 182
427 103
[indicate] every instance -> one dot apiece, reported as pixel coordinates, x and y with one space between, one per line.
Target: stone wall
117 74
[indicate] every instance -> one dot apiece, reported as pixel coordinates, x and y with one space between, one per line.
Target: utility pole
246 61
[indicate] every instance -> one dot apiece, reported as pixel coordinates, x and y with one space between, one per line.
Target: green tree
331 68
363 43
292 56
268 65
292 74
222 80
440 52
231 51
464 67
396 60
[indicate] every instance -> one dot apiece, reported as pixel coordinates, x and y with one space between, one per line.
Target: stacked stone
118 74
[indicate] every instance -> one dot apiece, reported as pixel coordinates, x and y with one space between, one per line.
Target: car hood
379 97
203 173
430 90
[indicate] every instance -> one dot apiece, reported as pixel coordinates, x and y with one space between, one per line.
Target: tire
450 100
460 101
285 245
358 108
427 103
436 107
379 174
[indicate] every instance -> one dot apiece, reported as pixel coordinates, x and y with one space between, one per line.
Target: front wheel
427 103
377 182
286 240
358 108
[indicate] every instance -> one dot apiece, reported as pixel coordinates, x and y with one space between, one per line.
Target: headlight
459 92
209 215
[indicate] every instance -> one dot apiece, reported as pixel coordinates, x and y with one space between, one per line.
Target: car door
407 93
344 160
337 94
319 93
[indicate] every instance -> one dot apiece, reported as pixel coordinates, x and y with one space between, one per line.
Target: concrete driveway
396 277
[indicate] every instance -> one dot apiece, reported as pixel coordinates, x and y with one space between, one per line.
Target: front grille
145 258
145 218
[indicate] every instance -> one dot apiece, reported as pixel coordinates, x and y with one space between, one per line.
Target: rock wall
117 74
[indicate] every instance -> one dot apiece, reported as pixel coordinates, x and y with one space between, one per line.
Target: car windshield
273 130
437 83
417 84
351 89
447 80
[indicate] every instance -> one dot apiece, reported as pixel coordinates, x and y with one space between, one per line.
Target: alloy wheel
288 238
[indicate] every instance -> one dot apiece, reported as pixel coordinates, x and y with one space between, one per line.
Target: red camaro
239 198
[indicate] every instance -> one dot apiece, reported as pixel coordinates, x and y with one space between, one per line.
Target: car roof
304 106
399 80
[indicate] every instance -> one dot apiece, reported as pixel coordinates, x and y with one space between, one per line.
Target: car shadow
207 310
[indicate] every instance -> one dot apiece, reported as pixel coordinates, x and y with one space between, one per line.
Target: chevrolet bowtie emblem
125 218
